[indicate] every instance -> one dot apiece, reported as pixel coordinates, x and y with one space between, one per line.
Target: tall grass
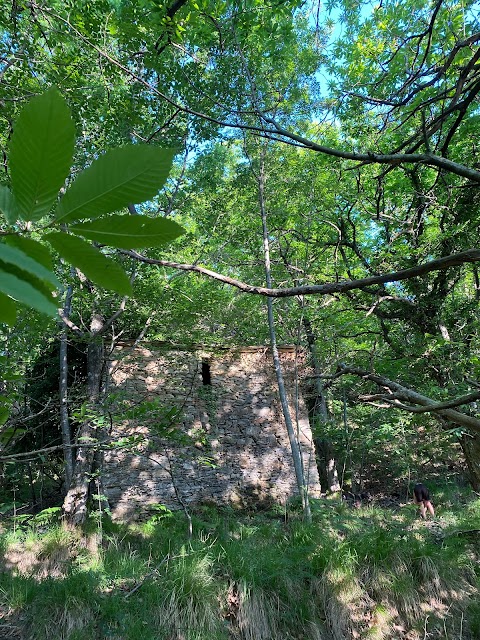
352 573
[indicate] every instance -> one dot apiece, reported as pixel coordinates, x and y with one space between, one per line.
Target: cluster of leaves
41 152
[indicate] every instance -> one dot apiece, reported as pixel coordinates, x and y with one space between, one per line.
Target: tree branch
71 325
472 255
286 136
108 323
409 395
448 404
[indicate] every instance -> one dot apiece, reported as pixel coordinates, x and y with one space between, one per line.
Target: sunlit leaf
23 291
41 152
8 206
123 176
8 310
34 249
17 257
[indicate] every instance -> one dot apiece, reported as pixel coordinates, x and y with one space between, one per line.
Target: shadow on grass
364 572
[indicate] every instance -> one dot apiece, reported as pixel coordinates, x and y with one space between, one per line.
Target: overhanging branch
399 393
472 255
274 130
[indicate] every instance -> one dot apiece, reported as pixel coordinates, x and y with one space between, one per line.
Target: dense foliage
322 162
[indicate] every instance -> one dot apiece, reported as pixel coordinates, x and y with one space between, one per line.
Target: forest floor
365 569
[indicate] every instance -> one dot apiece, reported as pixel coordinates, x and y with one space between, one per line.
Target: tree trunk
470 444
294 445
325 455
63 392
75 503
326 464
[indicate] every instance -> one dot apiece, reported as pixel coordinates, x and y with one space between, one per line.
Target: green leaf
97 267
11 432
8 310
123 176
4 415
130 232
41 153
40 285
8 206
17 257
23 291
34 249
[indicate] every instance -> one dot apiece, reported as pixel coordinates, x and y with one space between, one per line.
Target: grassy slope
353 573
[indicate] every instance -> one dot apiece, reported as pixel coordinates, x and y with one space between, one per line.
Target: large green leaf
41 153
97 267
23 291
34 249
8 310
129 232
8 206
43 287
123 176
17 257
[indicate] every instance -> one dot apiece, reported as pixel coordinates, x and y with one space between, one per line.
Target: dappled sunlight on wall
202 426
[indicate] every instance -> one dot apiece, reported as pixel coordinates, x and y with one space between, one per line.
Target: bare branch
472 255
71 325
58 447
394 400
21 419
108 323
398 391
378 158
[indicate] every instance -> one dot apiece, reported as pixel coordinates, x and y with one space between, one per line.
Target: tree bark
63 392
470 444
75 503
325 455
294 445
401 393
329 288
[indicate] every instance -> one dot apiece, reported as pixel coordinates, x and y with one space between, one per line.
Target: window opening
206 374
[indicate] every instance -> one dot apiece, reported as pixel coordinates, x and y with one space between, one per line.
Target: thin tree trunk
75 503
326 463
294 445
63 391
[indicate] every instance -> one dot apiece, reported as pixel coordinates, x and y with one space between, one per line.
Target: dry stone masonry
227 442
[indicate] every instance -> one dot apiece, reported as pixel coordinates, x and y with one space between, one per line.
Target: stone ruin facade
203 426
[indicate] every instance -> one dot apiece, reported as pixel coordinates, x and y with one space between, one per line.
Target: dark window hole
206 374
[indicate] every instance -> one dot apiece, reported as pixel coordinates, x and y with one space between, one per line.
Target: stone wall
228 443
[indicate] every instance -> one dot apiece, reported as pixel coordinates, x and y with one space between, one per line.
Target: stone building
203 426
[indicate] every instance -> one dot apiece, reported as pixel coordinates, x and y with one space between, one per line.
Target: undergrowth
353 573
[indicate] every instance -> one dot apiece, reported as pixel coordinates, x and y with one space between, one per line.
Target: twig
149 575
